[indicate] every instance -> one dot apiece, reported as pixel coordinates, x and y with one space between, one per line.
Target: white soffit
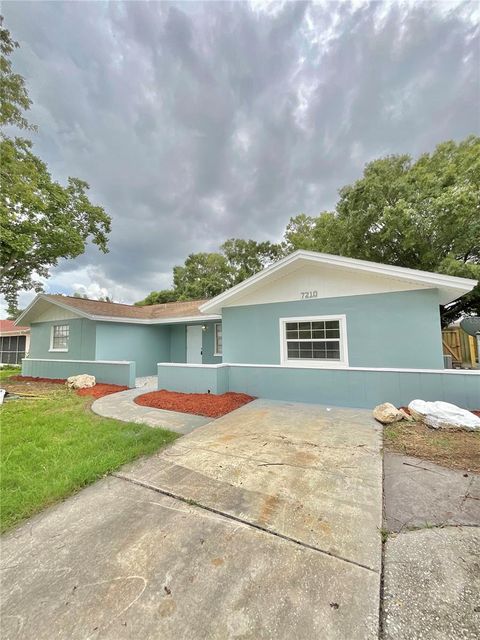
333 276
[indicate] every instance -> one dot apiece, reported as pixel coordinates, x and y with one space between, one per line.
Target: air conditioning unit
447 362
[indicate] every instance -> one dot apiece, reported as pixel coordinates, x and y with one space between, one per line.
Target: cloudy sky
195 122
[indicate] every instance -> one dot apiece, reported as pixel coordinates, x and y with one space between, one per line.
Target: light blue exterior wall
193 378
122 373
332 387
145 344
81 343
208 345
178 344
400 329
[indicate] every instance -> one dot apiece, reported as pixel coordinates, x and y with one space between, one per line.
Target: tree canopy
41 221
422 214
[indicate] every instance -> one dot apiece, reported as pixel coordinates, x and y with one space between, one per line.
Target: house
312 327
14 342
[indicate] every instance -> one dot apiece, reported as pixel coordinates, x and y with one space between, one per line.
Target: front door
194 344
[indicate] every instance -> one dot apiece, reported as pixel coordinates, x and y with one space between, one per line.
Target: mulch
101 389
98 391
208 405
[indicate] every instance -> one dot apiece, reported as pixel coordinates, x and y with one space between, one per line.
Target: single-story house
14 342
312 327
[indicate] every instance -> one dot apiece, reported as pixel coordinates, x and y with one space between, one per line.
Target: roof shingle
116 310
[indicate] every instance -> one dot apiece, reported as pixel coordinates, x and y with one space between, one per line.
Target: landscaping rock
443 415
387 413
83 381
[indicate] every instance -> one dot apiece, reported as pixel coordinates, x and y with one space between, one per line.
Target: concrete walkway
262 525
121 406
419 493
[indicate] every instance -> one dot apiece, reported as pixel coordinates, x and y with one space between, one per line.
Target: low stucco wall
193 378
111 372
360 387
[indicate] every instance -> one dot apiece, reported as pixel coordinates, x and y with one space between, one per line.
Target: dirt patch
201 404
17 385
26 385
453 449
32 379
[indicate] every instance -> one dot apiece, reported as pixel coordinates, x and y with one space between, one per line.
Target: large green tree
422 214
41 221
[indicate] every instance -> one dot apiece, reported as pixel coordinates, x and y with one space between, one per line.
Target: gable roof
450 288
116 312
9 327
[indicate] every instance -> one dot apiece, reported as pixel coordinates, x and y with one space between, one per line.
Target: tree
247 257
299 233
204 275
423 215
158 297
40 220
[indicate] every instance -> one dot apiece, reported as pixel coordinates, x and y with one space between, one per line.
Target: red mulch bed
200 404
98 391
101 389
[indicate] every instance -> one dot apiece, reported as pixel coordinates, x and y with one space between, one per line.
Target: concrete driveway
262 524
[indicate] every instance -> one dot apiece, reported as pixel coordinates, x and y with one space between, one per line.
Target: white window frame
52 330
326 364
215 338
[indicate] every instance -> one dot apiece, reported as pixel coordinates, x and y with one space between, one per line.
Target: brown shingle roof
116 310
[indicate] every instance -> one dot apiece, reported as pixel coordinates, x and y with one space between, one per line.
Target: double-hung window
218 339
59 337
314 341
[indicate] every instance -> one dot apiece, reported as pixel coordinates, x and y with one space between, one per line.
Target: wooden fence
462 347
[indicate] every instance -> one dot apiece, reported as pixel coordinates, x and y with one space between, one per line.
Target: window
316 341
218 339
12 349
59 339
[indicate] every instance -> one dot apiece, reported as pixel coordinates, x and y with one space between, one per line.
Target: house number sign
309 294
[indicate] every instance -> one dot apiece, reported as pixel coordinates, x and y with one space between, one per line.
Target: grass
54 446
454 449
6 372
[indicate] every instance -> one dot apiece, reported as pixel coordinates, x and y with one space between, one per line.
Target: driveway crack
247 523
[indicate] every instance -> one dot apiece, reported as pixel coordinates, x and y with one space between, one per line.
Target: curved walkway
121 406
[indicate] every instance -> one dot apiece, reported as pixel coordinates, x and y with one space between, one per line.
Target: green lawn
54 446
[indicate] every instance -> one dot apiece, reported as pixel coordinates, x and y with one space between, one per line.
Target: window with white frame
218 339
59 338
315 341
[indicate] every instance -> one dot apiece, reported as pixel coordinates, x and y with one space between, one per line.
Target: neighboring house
14 342
311 327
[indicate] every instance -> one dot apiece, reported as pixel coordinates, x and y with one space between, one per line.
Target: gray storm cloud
195 122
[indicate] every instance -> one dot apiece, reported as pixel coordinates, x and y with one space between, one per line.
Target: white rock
82 381
443 415
387 413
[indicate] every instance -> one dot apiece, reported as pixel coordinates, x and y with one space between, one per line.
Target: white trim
83 361
463 285
279 366
342 363
58 350
192 365
215 344
156 320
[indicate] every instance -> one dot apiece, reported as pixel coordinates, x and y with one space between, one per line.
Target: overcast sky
196 122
